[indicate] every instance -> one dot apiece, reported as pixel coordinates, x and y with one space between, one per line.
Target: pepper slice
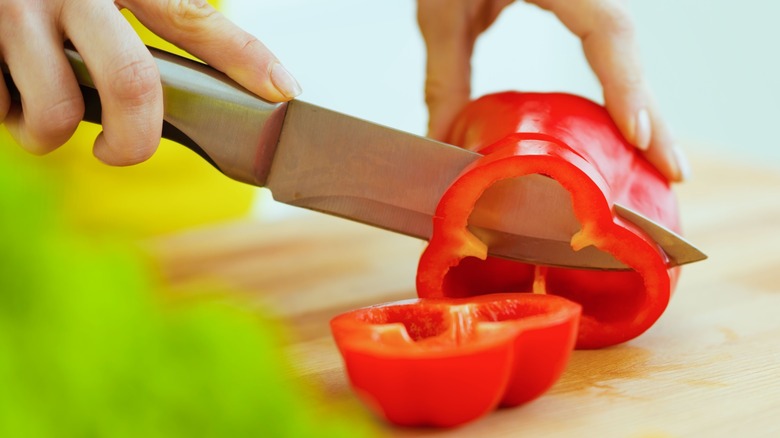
575 142
444 362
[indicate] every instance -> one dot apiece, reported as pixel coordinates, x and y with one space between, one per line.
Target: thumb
448 69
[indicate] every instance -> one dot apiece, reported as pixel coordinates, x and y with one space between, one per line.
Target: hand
451 27
31 44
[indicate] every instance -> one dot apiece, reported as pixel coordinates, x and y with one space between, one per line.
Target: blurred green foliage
87 349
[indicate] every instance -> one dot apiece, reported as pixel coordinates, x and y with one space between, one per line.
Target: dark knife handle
93 112
204 110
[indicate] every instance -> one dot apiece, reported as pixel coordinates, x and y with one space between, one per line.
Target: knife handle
204 110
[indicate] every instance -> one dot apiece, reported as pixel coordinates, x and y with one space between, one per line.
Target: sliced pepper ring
617 306
444 362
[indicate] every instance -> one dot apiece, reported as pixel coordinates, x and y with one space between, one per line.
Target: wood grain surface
709 367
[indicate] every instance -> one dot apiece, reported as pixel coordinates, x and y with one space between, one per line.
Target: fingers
607 35
201 30
450 29
31 36
126 77
51 105
448 69
663 153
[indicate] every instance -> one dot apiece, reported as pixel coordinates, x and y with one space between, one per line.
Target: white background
713 65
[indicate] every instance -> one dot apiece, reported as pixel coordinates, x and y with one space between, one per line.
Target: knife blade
322 160
360 177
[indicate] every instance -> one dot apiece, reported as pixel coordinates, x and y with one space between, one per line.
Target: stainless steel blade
343 166
340 165
677 249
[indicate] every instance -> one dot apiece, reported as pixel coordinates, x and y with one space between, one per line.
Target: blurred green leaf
87 350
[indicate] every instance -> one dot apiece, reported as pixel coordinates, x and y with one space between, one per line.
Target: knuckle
252 51
439 91
135 83
63 116
433 94
53 124
250 44
14 11
185 14
19 15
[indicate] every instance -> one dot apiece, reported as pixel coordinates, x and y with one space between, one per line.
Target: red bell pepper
464 348
444 362
574 141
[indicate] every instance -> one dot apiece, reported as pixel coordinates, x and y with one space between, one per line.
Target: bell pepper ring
445 362
575 142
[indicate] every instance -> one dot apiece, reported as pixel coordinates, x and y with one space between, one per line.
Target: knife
318 159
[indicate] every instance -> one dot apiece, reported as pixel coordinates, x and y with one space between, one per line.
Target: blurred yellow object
175 189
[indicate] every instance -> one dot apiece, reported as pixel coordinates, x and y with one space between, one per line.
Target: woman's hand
450 29
32 34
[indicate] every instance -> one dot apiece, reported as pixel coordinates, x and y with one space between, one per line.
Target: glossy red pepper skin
444 362
574 141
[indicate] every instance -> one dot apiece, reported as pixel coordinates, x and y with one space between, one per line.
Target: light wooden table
709 367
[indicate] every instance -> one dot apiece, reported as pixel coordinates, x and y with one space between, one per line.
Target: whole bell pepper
575 142
444 362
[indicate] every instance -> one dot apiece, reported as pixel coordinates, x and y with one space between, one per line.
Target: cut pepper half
444 362
575 142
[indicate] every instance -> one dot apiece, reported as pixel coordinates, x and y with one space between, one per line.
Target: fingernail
284 81
683 167
642 130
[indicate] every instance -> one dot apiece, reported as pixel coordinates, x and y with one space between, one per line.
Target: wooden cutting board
709 367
